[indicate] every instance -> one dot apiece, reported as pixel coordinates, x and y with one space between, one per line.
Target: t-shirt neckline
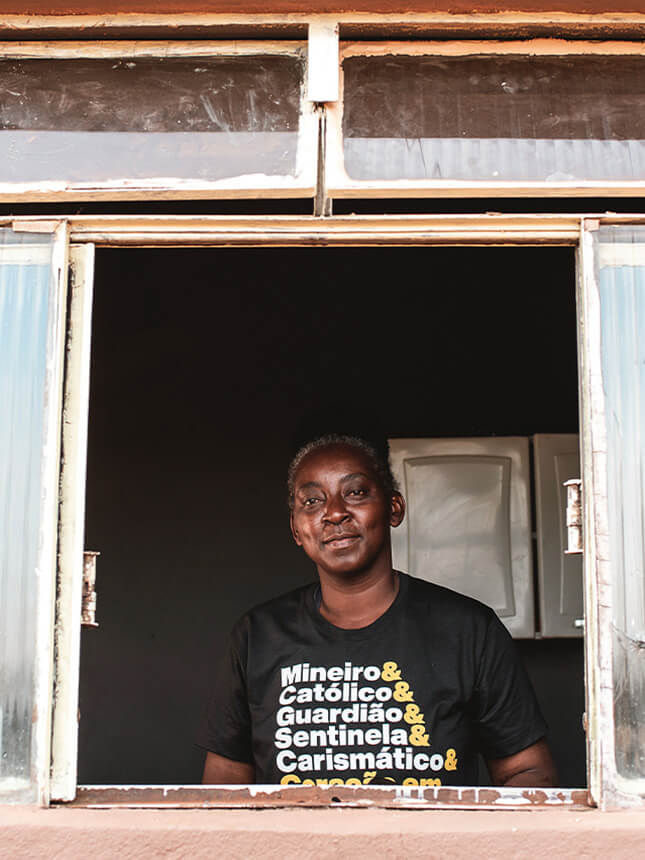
357 633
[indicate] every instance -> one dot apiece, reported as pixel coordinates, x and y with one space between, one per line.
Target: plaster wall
70 833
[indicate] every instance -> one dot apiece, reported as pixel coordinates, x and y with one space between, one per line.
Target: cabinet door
557 460
468 520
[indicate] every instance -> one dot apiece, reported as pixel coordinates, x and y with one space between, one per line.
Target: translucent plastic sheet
491 119
620 257
26 297
96 120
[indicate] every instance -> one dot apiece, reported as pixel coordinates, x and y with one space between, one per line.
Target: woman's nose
335 512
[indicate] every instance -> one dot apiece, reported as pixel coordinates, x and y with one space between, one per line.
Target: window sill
274 796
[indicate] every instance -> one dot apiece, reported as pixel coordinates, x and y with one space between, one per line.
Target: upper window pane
199 119
519 118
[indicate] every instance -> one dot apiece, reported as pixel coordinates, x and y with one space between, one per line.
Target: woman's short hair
380 462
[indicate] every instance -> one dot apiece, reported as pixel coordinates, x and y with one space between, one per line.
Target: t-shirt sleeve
226 727
506 713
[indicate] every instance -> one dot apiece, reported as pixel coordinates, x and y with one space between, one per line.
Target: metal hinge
574 516
88 606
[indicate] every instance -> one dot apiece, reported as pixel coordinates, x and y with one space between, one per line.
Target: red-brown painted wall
107 7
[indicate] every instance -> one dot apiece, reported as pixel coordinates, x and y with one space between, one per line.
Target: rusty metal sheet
88 610
574 516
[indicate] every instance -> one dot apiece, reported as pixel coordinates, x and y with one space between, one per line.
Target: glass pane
620 256
26 301
494 118
97 120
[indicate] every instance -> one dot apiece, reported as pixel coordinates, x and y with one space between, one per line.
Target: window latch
574 516
88 606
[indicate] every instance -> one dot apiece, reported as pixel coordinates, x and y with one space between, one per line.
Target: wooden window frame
340 185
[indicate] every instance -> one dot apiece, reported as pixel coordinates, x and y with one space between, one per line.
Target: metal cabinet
469 520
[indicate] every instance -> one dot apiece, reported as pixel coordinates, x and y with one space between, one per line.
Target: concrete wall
208 366
444 834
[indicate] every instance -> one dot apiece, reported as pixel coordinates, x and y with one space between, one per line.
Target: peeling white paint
512 800
71 525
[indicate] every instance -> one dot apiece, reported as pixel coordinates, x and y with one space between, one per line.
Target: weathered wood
161 48
301 796
71 525
492 47
184 230
48 537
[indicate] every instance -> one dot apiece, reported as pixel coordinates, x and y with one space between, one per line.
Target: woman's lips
341 541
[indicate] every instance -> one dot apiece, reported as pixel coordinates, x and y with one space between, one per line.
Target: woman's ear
397 509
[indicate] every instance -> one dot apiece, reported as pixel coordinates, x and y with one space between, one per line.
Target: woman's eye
356 492
309 502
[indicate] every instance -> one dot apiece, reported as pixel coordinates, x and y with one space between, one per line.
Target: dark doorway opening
208 367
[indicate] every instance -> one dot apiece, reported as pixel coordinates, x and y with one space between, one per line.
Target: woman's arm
224 771
532 766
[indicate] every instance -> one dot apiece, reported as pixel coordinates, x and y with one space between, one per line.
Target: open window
189 415
140 607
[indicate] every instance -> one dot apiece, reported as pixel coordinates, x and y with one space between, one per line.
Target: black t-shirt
409 700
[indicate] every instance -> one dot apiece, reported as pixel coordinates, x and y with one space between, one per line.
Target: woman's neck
357 602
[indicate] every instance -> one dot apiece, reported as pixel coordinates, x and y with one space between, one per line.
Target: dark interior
209 366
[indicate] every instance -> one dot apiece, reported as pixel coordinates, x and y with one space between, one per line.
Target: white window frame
340 185
256 185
